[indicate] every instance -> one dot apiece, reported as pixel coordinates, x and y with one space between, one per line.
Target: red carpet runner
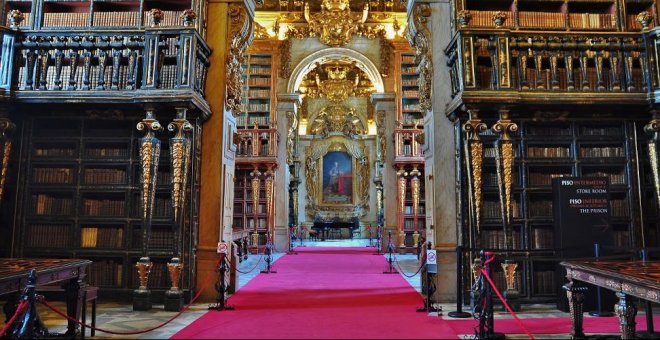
341 293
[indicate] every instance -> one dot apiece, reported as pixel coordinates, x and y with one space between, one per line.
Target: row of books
106 273
494 239
47 151
167 77
259 93
66 19
409 224
491 152
632 23
409 82
619 208
95 237
24 23
411 107
163 207
542 19
262 60
490 178
261 209
164 178
485 18
533 131
552 152
259 70
45 204
603 131
247 150
249 121
591 20
615 178
103 207
545 282
608 151
102 152
261 223
543 179
409 70
621 239
170 18
540 208
104 176
160 239
48 236
407 59
543 238
123 18
491 209
257 107
53 175
410 94
259 82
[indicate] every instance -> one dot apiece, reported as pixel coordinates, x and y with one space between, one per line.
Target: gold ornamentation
149 155
382 139
174 268
476 268
499 18
474 148
294 198
284 50
144 268
260 32
268 188
155 16
335 24
255 197
401 200
188 16
180 153
509 269
336 80
386 52
241 30
292 120
361 171
464 17
415 188
653 129
6 129
419 36
16 17
337 119
645 19
505 157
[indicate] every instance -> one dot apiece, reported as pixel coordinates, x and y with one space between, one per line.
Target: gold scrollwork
149 155
268 186
509 269
415 186
382 139
284 50
653 129
505 158
144 268
292 120
241 29
335 24
180 153
6 129
255 195
174 268
474 148
419 36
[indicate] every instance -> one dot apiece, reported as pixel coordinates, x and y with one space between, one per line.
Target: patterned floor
121 317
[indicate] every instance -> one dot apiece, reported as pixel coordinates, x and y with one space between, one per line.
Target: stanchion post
486 328
390 259
292 233
379 239
269 260
221 286
599 299
369 231
459 313
29 325
431 269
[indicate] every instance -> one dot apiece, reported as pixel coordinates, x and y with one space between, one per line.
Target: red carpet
330 293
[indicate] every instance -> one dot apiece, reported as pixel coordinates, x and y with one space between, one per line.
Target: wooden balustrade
257 143
406 147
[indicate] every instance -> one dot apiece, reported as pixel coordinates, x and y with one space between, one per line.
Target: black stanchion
269 259
221 287
648 310
369 231
245 248
379 239
486 329
301 235
599 302
390 259
292 234
459 313
29 325
431 270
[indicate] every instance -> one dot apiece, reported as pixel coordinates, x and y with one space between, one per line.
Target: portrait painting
337 181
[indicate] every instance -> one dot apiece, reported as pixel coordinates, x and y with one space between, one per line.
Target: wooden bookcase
99 14
258 88
244 222
410 112
572 15
82 199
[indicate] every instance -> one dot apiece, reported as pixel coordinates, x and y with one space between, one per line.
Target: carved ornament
180 154
474 151
505 157
653 130
284 50
335 25
292 121
419 36
241 29
6 130
333 120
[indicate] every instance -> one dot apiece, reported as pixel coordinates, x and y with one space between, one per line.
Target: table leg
74 298
626 311
575 294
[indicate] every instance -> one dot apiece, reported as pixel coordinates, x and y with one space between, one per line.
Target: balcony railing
406 146
257 143
537 66
106 65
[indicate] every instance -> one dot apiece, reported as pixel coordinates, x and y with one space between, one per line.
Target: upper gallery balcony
512 67
257 146
150 65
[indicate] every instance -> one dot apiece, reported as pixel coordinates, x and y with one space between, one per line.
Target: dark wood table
70 272
628 279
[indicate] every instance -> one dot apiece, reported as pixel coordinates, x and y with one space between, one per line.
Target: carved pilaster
401 199
504 161
180 153
292 120
284 50
7 128
149 154
474 152
255 204
268 188
419 36
386 52
653 130
242 30
626 311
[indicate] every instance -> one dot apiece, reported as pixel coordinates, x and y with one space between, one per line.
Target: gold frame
354 187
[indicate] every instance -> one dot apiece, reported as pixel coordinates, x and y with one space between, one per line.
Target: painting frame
322 182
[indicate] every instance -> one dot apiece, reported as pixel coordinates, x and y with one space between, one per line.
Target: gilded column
401 199
653 129
474 152
268 188
180 153
415 187
149 154
7 128
255 208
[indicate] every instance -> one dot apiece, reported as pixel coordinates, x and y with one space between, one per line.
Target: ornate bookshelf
411 114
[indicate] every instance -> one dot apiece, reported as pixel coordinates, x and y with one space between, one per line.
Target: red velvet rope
207 281
19 311
499 295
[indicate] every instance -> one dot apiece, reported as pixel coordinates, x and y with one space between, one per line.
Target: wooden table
627 278
70 272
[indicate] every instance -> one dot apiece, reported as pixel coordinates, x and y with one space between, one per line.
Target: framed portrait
337 178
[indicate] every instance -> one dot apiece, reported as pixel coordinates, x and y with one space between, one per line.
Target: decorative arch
305 65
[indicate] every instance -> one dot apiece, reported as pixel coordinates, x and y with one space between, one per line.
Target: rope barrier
233 264
20 309
207 281
484 273
403 272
